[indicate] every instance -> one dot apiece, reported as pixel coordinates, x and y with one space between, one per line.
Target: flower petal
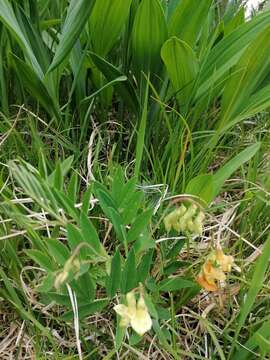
142 322
121 310
205 284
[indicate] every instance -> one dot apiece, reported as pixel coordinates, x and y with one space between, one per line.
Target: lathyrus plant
129 268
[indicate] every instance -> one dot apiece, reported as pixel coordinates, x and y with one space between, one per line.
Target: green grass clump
135 142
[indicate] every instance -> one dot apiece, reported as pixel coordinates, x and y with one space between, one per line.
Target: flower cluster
214 269
135 313
185 219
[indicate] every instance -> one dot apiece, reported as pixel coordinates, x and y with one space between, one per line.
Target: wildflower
185 219
225 261
214 268
134 314
172 219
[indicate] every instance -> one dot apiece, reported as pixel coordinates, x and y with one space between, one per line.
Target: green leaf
202 186
74 236
87 310
90 236
58 250
120 334
255 286
73 187
145 266
150 306
105 199
84 287
47 283
188 19
129 274
247 75
35 86
228 51
258 102
175 284
139 225
114 279
148 35
231 166
77 15
118 225
65 167
182 67
124 88
8 17
58 178
86 200
106 22
141 134
43 260
245 353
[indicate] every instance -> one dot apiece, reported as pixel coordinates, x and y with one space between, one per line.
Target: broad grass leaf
231 166
258 102
148 35
34 38
255 286
141 134
237 20
246 352
247 75
202 186
36 87
188 19
106 22
77 15
8 18
228 51
182 67
124 88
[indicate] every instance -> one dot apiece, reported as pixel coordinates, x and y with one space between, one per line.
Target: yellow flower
185 219
214 268
134 314
172 219
225 261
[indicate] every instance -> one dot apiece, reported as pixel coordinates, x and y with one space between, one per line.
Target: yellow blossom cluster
185 219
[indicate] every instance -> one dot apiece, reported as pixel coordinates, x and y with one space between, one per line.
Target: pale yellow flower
171 221
134 314
184 219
